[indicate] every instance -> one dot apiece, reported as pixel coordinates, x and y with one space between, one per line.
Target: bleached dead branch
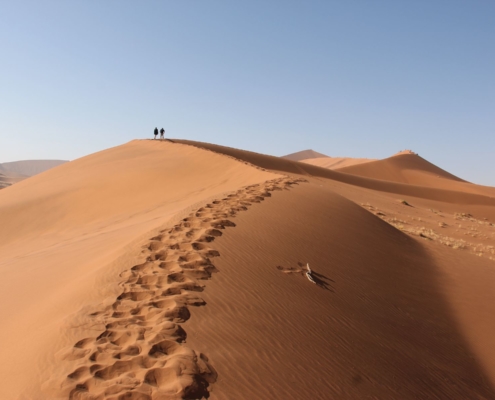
308 274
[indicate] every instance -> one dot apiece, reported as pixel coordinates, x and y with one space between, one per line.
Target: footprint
139 355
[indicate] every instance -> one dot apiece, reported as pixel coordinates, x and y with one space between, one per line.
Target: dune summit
176 269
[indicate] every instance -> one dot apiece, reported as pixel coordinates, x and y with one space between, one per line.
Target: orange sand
164 270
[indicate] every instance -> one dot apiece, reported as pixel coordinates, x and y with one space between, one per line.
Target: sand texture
336 162
177 269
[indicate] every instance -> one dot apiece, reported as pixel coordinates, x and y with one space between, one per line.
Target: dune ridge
101 298
304 155
62 250
30 167
140 354
401 168
336 162
377 325
281 165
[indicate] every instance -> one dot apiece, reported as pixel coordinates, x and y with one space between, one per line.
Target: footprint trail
141 354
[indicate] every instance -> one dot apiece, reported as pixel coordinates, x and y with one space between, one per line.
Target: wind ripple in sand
140 355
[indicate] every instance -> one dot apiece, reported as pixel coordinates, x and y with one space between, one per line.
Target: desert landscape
13 172
185 270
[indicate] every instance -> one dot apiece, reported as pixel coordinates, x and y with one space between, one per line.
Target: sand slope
304 155
63 249
404 168
336 162
377 325
159 270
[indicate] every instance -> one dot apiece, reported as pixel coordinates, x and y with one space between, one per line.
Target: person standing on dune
155 133
162 132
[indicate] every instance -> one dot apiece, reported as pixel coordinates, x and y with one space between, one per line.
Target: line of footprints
141 354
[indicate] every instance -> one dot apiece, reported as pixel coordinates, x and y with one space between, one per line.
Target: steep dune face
67 234
336 162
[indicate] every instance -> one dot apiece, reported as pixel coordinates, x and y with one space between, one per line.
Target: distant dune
304 155
404 168
177 269
29 167
336 162
13 172
4 181
9 178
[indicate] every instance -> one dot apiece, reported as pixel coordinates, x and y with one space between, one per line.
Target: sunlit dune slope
336 162
403 168
378 323
66 234
412 169
485 196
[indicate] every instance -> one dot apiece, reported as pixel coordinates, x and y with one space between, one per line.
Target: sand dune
335 162
480 195
30 167
404 168
304 155
13 172
62 250
9 178
176 269
410 168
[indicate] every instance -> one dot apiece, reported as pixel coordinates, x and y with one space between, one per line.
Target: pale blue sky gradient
345 78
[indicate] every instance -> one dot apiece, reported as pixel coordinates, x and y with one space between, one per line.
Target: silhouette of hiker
162 132
155 132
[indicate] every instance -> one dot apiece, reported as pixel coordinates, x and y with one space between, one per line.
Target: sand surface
336 162
304 155
177 269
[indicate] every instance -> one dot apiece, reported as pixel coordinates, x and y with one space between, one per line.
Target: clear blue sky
345 78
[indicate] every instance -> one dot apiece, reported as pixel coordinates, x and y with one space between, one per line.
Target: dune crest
84 227
336 162
304 155
404 167
140 353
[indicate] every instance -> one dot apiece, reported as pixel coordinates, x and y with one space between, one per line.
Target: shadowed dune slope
66 234
303 155
376 325
336 162
294 167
